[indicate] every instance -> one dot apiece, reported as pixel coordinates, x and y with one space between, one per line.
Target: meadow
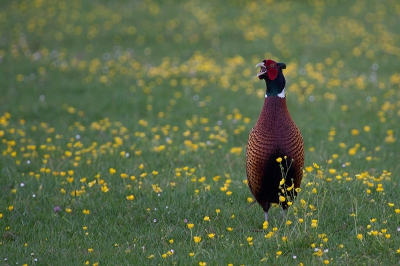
124 124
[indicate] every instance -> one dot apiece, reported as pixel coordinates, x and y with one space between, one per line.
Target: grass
124 126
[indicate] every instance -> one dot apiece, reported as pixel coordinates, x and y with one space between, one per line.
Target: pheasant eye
272 65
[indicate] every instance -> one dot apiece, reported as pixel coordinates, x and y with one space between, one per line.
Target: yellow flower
90 184
265 225
250 200
68 210
197 239
326 262
301 220
282 198
10 208
90 250
397 210
229 229
1 215
206 218
130 197
269 235
211 236
352 151
171 241
236 150
284 238
319 252
288 222
249 239
191 254
279 159
190 226
360 236
390 204
112 171
314 223
104 189
123 175
86 212
143 174
354 132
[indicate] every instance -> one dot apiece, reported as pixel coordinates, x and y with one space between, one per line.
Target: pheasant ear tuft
281 65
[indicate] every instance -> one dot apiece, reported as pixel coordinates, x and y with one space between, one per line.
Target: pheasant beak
263 69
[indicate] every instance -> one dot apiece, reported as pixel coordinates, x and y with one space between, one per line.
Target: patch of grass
123 128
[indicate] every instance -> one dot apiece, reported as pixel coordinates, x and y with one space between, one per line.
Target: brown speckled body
274 135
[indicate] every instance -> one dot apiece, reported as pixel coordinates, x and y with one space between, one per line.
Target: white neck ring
280 95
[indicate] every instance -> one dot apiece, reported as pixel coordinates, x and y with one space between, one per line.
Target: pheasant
275 135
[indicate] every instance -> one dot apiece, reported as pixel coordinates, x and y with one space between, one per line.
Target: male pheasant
274 135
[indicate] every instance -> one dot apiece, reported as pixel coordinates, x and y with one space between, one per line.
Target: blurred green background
148 88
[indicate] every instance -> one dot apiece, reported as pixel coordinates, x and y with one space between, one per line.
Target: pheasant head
271 72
